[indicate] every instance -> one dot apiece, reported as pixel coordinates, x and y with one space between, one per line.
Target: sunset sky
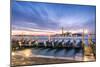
45 18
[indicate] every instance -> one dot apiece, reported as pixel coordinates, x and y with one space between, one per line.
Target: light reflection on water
24 53
27 52
47 52
62 53
24 57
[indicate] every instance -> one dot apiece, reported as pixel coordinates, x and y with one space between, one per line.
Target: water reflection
31 56
13 53
38 52
27 53
24 53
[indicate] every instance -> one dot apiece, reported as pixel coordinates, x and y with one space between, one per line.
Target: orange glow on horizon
18 32
23 32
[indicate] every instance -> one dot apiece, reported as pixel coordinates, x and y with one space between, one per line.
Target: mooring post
83 47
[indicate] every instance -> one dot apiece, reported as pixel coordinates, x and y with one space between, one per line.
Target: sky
45 18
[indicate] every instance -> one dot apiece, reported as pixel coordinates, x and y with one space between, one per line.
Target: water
63 53
49 52
43 38
23 57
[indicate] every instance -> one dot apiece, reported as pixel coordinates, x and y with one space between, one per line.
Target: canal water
51 53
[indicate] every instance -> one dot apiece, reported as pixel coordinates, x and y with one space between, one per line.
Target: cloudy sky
46 17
